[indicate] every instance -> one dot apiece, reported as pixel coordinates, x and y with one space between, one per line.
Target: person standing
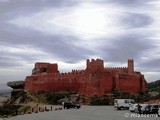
139 108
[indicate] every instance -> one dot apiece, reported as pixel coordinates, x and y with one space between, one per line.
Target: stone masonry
94 80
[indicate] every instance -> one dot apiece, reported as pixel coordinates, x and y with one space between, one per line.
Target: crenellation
92 60
116 68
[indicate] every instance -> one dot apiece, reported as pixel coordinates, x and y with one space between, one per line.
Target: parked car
146 109
69 104
133 107
142 108
154 108
149 109
123 103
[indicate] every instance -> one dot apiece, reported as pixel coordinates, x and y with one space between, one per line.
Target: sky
68 32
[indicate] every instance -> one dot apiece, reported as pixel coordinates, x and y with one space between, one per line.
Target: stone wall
94 80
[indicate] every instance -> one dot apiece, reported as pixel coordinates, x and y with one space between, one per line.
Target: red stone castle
94 80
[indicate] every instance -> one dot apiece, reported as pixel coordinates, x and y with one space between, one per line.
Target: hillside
154 86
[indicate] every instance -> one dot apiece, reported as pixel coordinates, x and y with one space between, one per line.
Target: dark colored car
146 109
70 104
150 109
154 109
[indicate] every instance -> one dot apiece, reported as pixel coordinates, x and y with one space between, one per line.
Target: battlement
116 68
74 72
94 60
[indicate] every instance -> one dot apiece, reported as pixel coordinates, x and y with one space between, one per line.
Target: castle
94 80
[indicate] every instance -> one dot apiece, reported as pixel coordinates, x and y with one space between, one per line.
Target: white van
123 103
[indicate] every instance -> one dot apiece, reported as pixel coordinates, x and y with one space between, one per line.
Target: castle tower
42 67
94 65
130 66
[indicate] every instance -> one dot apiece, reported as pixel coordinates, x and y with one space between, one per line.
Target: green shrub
8 109
24 109
100 101
52 98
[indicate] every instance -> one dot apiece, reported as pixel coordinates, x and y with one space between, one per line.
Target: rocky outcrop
16 84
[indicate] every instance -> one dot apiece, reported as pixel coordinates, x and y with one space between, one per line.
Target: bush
52 98
8 109
24 109
128 96
100 101
117 93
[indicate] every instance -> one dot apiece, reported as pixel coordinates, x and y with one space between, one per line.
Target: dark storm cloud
134 20
56 45
59 46
63 48
151 65
24 6
126 47
10 59
67 52
130 2
7 62
14 8
131 17
127 3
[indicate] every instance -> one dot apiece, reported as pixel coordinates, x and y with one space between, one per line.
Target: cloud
134 20
129 3
126 47
70 31
150 65
86 20
4 0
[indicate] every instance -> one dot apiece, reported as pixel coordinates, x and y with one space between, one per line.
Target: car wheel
118 108
122 108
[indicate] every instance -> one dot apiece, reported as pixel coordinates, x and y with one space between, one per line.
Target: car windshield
155 106
144 106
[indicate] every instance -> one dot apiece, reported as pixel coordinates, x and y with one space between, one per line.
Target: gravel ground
84 113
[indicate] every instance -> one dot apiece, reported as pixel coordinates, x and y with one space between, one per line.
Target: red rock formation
94 80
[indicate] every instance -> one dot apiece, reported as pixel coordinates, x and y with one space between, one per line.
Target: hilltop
154 86
154 90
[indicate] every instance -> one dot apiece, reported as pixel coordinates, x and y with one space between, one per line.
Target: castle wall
56 82
129 83
30 83
94 80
